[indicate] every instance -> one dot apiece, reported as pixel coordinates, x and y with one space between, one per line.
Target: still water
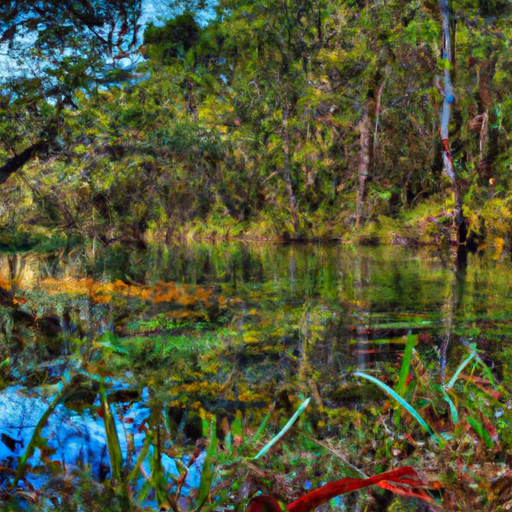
343 299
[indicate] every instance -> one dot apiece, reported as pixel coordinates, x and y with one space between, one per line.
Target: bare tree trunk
377 115
13 271
292 201
449 98
484 131
484 99
364 164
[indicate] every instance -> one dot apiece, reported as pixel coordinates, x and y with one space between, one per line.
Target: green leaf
459 369
34 440
453 409
208 466
481 431
408 407
236 426
114 448
487 372
406 363
285 429
140 458
260 429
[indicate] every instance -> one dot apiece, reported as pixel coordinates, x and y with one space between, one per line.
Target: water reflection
370 293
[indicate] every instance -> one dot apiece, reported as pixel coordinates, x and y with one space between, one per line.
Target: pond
174 340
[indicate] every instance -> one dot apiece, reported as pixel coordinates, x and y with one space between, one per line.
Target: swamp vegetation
162 375
255 262
305 119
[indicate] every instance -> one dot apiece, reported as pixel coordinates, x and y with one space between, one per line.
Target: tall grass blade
114 448
261 428
487 371
459 369
404 370
140 458
406 364
208 469
480 429
453 409
408 407
59 397
285 429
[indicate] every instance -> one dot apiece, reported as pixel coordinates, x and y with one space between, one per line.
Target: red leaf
409 493
325 493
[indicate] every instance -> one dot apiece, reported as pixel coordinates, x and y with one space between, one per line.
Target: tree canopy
302 117
52 52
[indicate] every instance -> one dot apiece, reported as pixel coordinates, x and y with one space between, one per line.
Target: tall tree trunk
377 115
482 153
364 163
449 98
485 137
287 176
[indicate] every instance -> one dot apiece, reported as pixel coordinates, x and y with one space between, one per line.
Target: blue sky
153 11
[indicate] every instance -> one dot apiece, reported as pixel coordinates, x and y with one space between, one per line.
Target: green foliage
411 410
285 429
406 363
36 441
225 365
173 40
250 125
162 322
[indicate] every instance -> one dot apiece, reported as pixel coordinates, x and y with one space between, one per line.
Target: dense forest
166 343
280 119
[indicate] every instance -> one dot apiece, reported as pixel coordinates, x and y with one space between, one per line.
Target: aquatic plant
224 397
64 388
284 430
408 407
404 481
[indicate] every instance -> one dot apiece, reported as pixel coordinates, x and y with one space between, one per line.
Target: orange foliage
100 293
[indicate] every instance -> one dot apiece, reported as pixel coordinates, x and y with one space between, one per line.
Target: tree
297 117
445 117
56 48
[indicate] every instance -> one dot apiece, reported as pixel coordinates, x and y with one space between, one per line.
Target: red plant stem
325 493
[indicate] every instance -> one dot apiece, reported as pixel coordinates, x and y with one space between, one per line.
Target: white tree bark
445 116
364 164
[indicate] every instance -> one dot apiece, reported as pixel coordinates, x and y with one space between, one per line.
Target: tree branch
17 162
